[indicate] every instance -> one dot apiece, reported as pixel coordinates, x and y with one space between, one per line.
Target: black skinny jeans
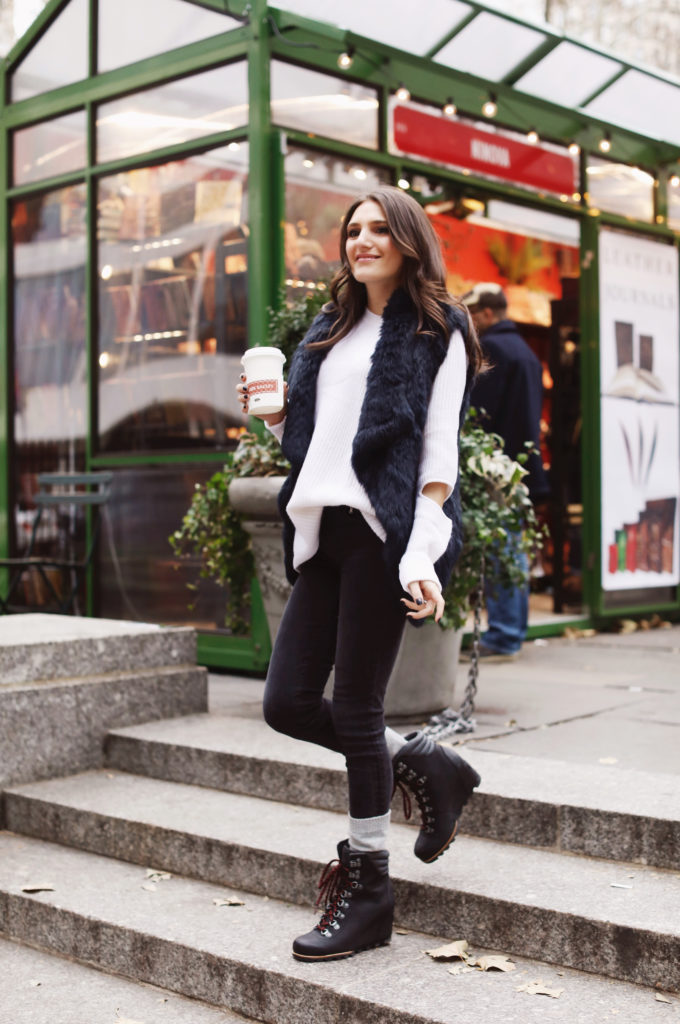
342 611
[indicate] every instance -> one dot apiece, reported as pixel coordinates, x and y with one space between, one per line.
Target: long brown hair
423 273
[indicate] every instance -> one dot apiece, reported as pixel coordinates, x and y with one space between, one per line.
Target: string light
404 183
490 107
449 108
532 136
402 93
346 59
674 181
605 143
574 148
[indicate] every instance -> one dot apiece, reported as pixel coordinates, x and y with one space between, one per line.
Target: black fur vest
387 446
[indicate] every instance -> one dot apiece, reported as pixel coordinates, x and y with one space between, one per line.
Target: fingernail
419 600
244 388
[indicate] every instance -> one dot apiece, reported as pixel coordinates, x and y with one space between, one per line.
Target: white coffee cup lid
263 350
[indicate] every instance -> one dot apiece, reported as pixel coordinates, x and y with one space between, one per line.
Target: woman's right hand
272 418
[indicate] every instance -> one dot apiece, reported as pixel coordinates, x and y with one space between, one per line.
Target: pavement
609 700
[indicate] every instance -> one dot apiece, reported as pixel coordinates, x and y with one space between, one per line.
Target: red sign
450 142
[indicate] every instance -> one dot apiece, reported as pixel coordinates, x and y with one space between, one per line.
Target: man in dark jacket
511 395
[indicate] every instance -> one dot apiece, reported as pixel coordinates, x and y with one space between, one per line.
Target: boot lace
335 885
418 785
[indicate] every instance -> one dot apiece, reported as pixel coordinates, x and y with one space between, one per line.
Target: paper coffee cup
264 376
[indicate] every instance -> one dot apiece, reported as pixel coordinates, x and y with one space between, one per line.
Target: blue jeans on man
507 610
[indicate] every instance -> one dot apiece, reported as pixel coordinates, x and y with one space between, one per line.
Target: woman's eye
382 230
352 233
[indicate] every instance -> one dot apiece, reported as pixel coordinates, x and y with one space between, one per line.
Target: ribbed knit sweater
327 477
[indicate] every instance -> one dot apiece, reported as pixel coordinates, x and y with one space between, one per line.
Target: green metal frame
265 33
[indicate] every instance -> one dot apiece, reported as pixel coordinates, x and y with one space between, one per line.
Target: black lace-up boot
442 782
359 907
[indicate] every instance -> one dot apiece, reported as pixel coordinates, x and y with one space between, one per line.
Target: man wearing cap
511 395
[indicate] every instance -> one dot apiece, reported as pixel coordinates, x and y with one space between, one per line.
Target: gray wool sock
394 740
368 835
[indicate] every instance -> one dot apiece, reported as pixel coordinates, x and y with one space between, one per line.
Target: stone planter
424 674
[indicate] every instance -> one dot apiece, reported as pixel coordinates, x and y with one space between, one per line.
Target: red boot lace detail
333 887
419 786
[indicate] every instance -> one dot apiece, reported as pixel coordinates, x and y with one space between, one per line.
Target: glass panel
618 188
645 104
138 575
389 21
489 47
172 302
58 58
674 206
50 148
568 75
130 31
319 189
324 105
50 410
189 108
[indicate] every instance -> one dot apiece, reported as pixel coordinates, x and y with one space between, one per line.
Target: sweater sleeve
277 429
431 529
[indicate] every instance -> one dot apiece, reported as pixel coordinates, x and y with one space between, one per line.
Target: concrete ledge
239 957
38 647
611 919
49 989
54 728
623 816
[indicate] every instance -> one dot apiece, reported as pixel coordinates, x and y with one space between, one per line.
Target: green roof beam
531 60
605 85
463 23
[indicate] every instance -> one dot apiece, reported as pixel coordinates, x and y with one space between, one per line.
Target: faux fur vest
387 446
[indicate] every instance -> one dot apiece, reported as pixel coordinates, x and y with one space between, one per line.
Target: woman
376 394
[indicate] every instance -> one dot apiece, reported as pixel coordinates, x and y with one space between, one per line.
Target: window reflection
50 408
138 576
52 147
130 31
189 108
58 58
618 188
319 188
324 105
172 302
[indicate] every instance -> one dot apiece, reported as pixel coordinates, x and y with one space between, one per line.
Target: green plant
212 531
495 507
288 324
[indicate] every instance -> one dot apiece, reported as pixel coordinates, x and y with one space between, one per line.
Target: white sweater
327 477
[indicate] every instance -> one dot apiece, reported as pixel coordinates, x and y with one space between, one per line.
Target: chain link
449 722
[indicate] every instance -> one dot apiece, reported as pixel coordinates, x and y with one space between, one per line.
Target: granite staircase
187 858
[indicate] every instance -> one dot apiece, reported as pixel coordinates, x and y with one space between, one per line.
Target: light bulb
449 108
574 148
346 59
490 108
532 136
674 181
404 183
605 143
402 93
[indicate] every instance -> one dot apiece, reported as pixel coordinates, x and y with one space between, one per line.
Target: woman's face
372 255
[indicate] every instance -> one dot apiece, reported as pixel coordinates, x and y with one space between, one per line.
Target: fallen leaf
228 902
662 999
401 931
157 876
494 963
537 988
457 950
38 887
619 885
34 983
461 968
150 888
627 626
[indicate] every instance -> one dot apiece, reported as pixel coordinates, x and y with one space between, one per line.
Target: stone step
41 988
620 919
176 937
58 727
580 808
36 647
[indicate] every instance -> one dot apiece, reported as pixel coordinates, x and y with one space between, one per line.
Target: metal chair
58 491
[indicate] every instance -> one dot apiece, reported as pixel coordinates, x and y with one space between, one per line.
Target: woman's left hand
426 600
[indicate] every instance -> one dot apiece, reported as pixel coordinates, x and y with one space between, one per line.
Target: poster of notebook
640 412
